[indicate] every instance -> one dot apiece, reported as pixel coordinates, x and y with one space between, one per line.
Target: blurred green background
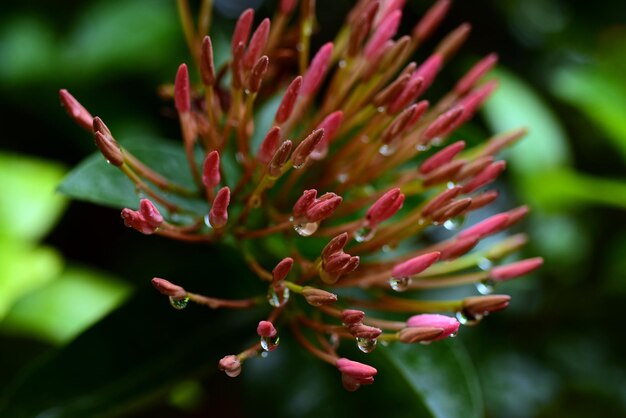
557 351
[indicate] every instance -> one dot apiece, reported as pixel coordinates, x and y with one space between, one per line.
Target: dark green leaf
96 181
441 375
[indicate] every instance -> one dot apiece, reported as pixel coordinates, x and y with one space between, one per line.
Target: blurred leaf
24 268
28 204
67 306
149 347
558 189
122 35
515 104
441 375
98 182
601 97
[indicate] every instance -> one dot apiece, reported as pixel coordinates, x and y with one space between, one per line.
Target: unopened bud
256 74
415 265
306 147
317 70
386 29
231 365
109 149
364 331
168 288
150 213
335 245
442 123
75 110
481 68
441 200
269 145
211 170
448 325
207 65
442 157
352 316
385 207
459 247
279 159
303 203
266 329
242 29
323 207
431 20
218 215
318 297
257 43
517 269
330 125
412 335
182 98
282 269
489 226
287 104
483 305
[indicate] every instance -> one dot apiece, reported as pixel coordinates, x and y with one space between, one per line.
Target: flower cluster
355 167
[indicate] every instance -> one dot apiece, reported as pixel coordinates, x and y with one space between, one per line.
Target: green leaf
599 95
135 354
515 104
68 305
98 182
24 268
441 375
28 204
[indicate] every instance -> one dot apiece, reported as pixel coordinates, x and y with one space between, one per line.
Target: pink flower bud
386 29
318 297
279 159
472 102
257 43
323 207
412 335
330 125
231 365
150 213
288 102
336 262
453 41
452 209
431 20
242 29
306 147
489 226
352 316
75 110
385 207
207 65
236 66
447 324
442 157
211 170
136 220
169 289
483 200
503 140
282 269
269 145
218 215
335 245
266 329
443 123
428 69
415 265
459 247
474 167
441 200
488 175
444 173
257 73
517 269
392 91
364 331
304 202
355 374
484 305
317 70
481 68
411 91
515 215
182 98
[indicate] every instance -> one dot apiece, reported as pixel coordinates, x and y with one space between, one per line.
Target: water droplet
366 345
384 343
453 224
179 303
207 222
386 248
364 234
454 334
270 343
484 264
380 109
485 287
468 320
342 63
277 296
299 166
306 229
451 185
365 139
264 354
255 201
140 193
422 147
425 342
108 161
387 150
400 284
334 340
247 92
239 157
342 177
436 141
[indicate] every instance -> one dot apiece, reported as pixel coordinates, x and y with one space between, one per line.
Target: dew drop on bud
387 150
277 297
422 147
334 340
485 287
342 63
400 284
306 229
484 264
366 345
299 166
179 303
364 234
468 320
454 224
436 141
270 343
108 161
342 177
207 222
